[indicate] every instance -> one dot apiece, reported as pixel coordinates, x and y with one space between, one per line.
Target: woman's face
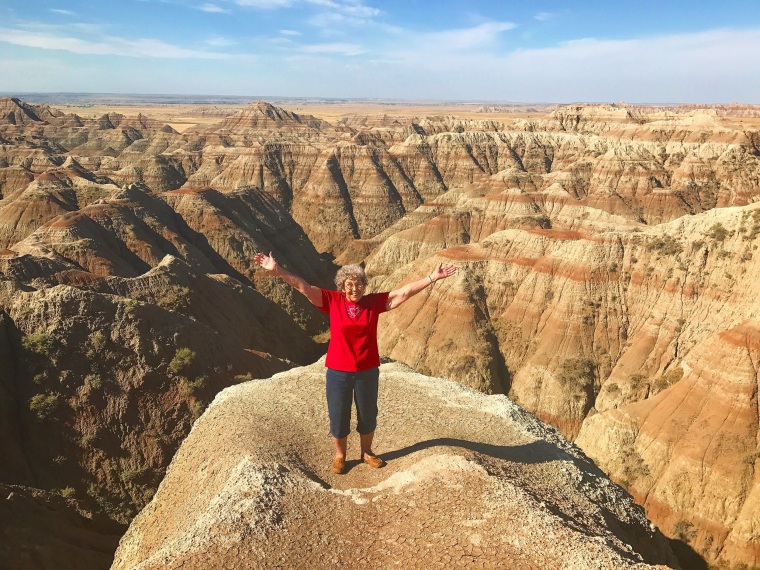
354 289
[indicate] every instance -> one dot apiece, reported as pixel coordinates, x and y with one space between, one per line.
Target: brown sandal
374 461
338 466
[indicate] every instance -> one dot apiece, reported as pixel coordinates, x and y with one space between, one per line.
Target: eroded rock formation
605 254
472 481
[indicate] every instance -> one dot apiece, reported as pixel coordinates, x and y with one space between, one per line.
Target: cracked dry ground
472 481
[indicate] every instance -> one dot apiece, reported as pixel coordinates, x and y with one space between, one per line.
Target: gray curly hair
352 272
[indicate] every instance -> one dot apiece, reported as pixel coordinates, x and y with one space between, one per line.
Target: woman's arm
395 298
313 294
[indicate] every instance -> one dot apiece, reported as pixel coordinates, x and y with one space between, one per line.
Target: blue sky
544 51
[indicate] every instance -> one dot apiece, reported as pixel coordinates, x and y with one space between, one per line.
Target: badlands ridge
608 283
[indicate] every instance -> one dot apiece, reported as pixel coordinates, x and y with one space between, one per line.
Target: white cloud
220 41
354 9
335 48
468 38
64 12
214 9
290 33
544 16
264 4
710 66
342 13
143 47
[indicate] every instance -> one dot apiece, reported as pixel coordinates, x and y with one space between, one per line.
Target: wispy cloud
468 38
220 41
214 9
351 8
62 11
108 45
290 33
335 48
342 13
265 4
544 16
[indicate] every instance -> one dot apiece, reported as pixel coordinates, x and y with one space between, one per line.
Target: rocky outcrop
471 481
690 453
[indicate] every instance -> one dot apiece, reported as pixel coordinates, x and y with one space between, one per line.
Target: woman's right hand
266 261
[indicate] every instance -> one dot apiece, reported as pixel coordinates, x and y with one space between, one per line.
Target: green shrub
718 232
636 380
67 492
129 306
40 378
93 381
38 344
247 377
577 371
197 385
44 405
666 245
175 298
183 358
97 341
134 475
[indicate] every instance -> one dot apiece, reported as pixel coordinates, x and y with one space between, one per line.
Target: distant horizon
694 52
50 95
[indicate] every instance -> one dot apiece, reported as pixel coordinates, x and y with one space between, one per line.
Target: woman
352 356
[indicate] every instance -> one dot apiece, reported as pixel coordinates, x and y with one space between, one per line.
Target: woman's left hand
442 272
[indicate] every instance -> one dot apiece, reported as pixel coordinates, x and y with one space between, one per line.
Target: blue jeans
341 388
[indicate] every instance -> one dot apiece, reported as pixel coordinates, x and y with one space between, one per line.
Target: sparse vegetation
197 385
133 475
182 360
634 466
88 440
666 245
176 298
577 372
718 233
44 405
97 341
93 381
38 345
67 492
129 306
247 377
684 531
668 379
637 380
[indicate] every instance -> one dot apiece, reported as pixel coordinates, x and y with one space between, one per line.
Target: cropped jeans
362 388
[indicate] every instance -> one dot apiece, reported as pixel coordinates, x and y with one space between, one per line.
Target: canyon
607 283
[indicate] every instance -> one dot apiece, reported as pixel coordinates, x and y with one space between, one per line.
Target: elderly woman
352 356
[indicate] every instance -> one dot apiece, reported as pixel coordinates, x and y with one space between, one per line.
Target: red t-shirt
353 330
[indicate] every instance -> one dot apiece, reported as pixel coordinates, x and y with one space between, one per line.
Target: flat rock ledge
472 481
